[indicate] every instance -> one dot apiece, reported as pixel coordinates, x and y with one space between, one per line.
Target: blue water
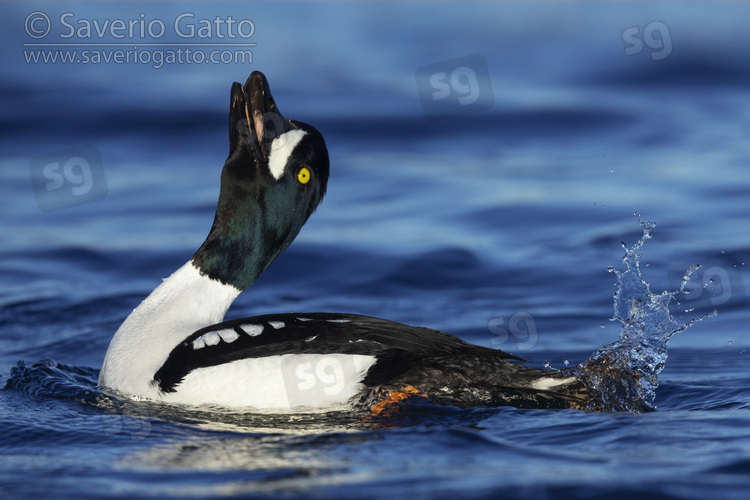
498 226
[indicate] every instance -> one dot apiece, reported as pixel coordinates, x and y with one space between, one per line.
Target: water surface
465 225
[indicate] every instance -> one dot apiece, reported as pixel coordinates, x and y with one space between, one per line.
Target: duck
177 347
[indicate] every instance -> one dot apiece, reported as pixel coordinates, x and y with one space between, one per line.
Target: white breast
182 304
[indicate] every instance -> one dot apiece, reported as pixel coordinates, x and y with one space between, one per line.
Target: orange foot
389 406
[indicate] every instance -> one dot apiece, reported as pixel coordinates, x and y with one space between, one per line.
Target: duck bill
254 118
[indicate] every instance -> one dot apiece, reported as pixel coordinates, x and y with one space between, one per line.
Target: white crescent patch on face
281 150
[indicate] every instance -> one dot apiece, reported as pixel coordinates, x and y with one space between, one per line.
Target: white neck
182 304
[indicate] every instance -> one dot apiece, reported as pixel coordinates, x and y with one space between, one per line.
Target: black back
396 346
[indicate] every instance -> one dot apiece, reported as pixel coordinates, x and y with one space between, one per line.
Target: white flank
281 150
290 382
182 304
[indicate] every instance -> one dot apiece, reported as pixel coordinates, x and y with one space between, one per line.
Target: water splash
624 375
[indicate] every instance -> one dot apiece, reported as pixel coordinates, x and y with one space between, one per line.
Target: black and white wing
397 347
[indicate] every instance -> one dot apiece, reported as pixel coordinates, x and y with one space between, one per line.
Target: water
624 375
498 226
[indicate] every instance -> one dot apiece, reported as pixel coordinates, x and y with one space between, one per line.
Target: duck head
273 180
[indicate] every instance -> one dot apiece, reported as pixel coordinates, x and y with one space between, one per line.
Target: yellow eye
303 176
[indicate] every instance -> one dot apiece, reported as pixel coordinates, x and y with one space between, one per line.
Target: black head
274 178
